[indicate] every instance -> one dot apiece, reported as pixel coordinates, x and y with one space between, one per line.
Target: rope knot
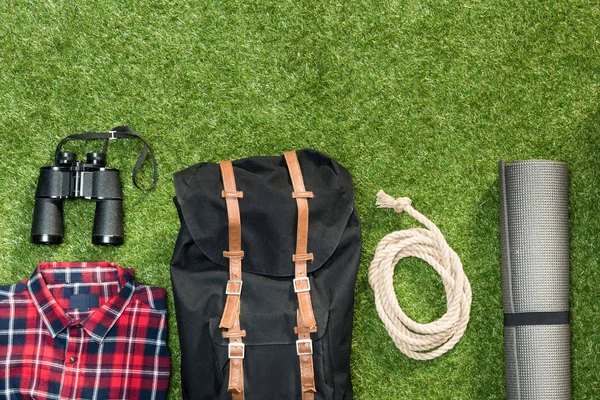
399 205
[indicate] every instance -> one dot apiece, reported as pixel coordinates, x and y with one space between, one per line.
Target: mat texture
534 202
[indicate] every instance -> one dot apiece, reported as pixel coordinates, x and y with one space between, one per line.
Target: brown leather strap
305 314
236 354
235 253
301 283
304 348
231 314
231 195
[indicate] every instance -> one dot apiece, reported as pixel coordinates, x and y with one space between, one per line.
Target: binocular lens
108 223
106 240
47 225
43 238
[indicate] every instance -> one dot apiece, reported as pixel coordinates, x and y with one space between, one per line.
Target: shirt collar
100 321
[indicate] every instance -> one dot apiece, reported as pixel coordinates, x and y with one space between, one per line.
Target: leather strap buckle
230 290
298 289
234 254
239 346
233 334
235 194
304 330
303 257
303 195
300 342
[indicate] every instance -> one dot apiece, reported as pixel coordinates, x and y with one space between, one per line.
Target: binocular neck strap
119 132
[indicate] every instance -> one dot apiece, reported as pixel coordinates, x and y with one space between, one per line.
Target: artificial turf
420 98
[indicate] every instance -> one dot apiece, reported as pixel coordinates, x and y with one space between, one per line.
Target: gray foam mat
534 205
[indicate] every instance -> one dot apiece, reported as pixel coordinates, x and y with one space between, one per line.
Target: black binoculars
72 179
92 180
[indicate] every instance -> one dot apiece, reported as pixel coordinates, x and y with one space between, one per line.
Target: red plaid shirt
83 331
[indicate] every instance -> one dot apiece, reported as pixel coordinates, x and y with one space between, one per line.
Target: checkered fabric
83 331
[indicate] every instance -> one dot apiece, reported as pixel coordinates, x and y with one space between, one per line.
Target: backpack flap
268 212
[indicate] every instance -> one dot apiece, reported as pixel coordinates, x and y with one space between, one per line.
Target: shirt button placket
71 361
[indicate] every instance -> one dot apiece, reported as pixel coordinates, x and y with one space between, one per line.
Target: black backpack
264 310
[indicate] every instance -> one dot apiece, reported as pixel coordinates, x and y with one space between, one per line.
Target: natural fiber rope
419 341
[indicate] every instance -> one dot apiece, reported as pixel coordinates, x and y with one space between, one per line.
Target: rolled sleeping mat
534 218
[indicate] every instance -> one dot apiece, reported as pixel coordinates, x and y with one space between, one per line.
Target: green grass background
420 98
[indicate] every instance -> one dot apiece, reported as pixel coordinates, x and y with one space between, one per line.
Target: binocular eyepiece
72 179
66 159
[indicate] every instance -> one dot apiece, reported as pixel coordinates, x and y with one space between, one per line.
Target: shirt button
73 359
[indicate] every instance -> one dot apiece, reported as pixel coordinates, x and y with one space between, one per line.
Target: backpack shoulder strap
305 314
231 314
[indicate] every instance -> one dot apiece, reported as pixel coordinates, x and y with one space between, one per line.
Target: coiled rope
419 341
